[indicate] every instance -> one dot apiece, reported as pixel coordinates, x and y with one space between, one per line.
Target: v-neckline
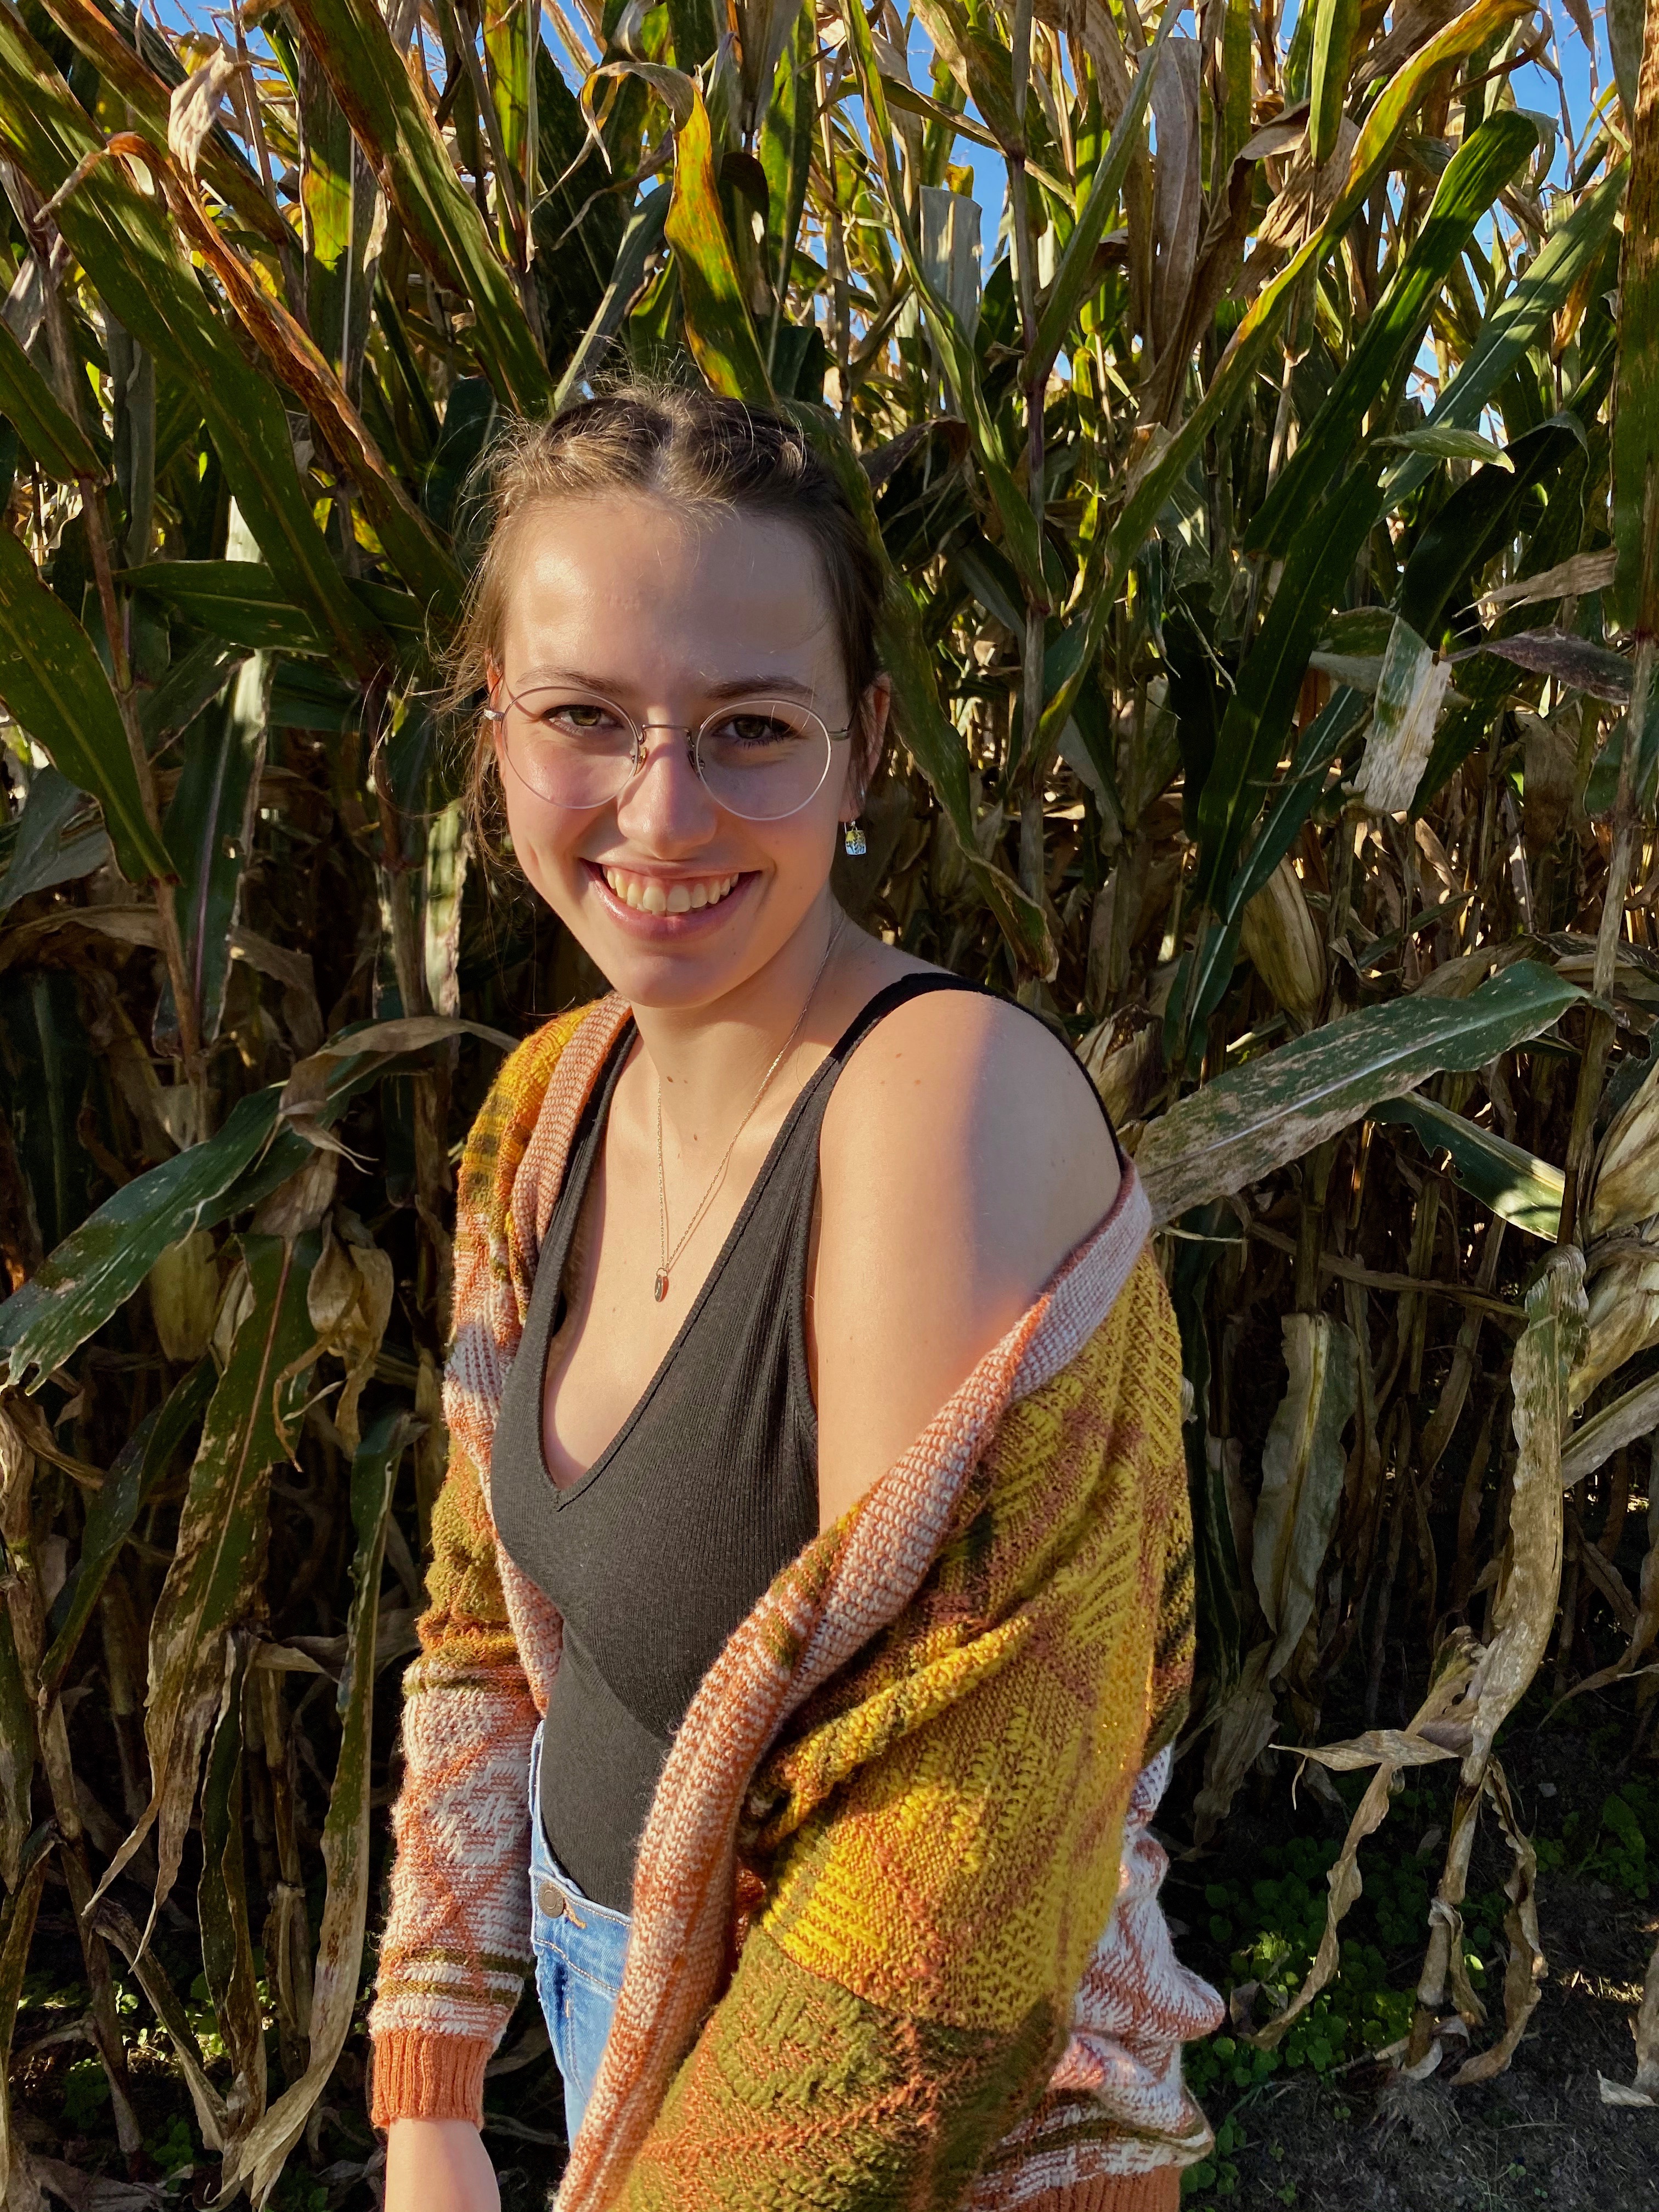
565 1492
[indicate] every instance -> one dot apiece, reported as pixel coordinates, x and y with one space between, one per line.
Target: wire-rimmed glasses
759 757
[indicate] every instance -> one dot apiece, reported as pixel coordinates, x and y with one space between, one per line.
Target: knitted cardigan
866 1964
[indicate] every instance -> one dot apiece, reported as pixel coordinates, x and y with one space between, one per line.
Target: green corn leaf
1476 173
218 1562
209 831
717 321
937 746
337 199
512 33
1336 26
786 152
239 602
147 1455
1475 524
131 253
197 675
96 1269
1332 730
1443 442
256 2159
55 686
140 70
100 1266
394 127
1251 741
1504 1178
45 854
640 241
227 1959
1635 596
1276 1108
1022 538
1240 363
46 427
242 604
1074 280
1516 323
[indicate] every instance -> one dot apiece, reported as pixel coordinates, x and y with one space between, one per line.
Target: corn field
1270 505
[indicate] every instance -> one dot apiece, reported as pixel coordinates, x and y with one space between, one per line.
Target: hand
438 2166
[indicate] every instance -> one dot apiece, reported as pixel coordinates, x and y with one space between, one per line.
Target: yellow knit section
965 1876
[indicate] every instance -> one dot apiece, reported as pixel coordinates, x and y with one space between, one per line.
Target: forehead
635 576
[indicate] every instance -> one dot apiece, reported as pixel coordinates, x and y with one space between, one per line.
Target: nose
665 809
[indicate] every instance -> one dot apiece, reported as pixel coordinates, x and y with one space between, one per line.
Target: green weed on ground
1262 1925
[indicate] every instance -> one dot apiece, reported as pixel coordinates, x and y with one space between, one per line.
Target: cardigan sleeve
456 1942
901 2001
456 1946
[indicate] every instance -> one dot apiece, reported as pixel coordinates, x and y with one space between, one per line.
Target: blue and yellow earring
852 838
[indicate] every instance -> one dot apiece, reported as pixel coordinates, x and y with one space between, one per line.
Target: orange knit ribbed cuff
430 2077
1159 2191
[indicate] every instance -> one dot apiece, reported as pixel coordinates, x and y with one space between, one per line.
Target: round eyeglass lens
574 751
762 758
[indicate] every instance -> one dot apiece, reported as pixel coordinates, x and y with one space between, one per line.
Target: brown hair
694 450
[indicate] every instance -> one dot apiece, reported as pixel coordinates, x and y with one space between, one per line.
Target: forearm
438 2166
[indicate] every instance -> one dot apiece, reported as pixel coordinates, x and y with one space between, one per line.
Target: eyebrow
738 687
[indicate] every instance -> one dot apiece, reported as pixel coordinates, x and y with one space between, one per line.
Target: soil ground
1357 2138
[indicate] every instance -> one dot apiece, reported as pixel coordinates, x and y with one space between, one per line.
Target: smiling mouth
651 894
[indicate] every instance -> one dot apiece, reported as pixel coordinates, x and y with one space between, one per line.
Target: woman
815 1586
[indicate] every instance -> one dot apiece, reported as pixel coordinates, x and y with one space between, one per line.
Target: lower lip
667 928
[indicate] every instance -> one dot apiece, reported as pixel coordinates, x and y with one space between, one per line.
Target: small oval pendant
659 1288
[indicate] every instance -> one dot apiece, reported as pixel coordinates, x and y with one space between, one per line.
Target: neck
708 1058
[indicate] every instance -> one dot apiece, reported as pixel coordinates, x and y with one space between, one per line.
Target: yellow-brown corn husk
1284 946
1627 1166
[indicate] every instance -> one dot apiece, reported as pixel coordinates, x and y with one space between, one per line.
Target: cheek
543 838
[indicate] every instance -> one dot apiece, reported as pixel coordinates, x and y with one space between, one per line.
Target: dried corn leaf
194 107
219 1553
1523 1610
348 1300
1241 1732
256 2162
1523 1977
1410 689
184 1296
1455 1673
1396 1748
1301 1476
1627 1165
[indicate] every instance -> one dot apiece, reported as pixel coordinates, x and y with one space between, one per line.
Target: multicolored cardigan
867 1965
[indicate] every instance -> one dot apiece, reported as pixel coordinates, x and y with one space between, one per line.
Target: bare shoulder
973 1101
963 1155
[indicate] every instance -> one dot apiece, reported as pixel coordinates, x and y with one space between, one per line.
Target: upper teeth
652 896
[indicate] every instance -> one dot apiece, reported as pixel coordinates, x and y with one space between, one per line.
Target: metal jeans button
551 1898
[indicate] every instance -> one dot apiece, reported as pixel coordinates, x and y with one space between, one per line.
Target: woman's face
670 616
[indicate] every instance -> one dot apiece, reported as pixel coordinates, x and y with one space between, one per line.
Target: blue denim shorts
579 1950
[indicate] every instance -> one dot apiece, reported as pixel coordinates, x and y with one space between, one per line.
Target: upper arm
963 1155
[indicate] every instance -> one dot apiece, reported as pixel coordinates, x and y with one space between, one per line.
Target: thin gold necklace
659 1288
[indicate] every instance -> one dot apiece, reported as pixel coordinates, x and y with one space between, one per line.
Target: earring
851 836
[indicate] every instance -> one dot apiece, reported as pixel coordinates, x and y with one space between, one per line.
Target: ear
869 740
